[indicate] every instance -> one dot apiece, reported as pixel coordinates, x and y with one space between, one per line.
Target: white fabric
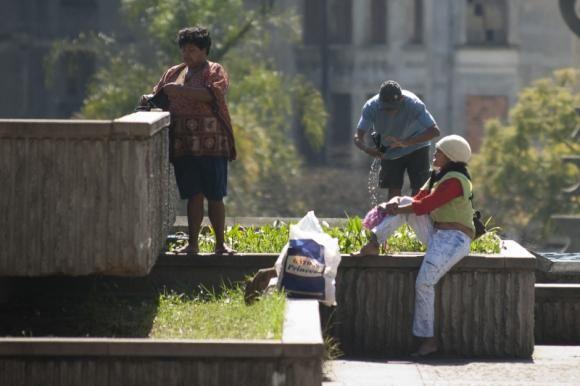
445 248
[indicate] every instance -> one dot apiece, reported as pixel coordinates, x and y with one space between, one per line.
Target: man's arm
366 123
427 135
359 142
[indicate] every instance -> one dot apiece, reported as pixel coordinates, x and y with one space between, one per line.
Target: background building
466 59
28 30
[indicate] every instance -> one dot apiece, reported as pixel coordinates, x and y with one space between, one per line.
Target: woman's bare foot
224 250
429 346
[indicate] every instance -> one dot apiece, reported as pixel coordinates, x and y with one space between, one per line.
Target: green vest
459 209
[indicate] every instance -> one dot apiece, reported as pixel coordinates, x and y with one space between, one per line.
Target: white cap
455 147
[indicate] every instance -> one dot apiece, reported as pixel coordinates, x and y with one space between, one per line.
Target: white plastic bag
308 264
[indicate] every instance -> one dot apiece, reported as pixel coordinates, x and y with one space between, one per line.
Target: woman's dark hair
197 36
451 166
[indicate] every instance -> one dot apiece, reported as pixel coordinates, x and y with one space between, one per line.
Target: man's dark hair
390 92
198 36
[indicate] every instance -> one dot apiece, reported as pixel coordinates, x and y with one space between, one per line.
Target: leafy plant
351 237
489 242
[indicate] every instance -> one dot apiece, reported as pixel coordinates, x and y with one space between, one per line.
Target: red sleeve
162 81
420 194
445 192
167 77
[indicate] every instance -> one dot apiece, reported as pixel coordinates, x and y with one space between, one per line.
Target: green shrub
351 237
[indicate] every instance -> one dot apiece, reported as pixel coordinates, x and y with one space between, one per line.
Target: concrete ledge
54 128
557 314
557 267
135 125
105 347
302 323
557 292
512 256
140 124
294 360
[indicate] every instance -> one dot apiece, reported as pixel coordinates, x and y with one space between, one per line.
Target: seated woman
442 216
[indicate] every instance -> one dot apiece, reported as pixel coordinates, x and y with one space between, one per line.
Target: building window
378 22
313 13
417 33
78 16
486 22
339 21
341 119
338 16
479 109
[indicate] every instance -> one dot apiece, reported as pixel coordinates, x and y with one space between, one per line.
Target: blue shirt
411 120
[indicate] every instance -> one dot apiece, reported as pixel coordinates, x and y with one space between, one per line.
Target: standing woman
442 216
201 136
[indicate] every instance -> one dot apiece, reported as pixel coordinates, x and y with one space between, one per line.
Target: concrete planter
295 360
485 305
83 197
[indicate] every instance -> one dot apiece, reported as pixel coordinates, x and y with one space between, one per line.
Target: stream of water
373 184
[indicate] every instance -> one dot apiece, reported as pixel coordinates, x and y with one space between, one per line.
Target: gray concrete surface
84 197
295 360
550 365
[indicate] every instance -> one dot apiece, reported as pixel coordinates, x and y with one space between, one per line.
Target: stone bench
82 197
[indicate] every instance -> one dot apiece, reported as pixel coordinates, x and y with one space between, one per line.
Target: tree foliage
263 102
519 173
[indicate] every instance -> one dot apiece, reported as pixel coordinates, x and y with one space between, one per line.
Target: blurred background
504 74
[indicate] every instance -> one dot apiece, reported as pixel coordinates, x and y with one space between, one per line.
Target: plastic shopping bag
308 264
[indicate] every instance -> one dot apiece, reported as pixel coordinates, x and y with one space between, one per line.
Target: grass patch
207 315
351 237
107 312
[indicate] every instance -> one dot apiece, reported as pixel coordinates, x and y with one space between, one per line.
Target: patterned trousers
445 248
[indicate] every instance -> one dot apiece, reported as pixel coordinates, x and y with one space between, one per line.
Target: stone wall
484 305
557 313
296 360
82 197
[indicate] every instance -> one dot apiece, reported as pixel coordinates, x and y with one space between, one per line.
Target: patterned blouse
200 128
